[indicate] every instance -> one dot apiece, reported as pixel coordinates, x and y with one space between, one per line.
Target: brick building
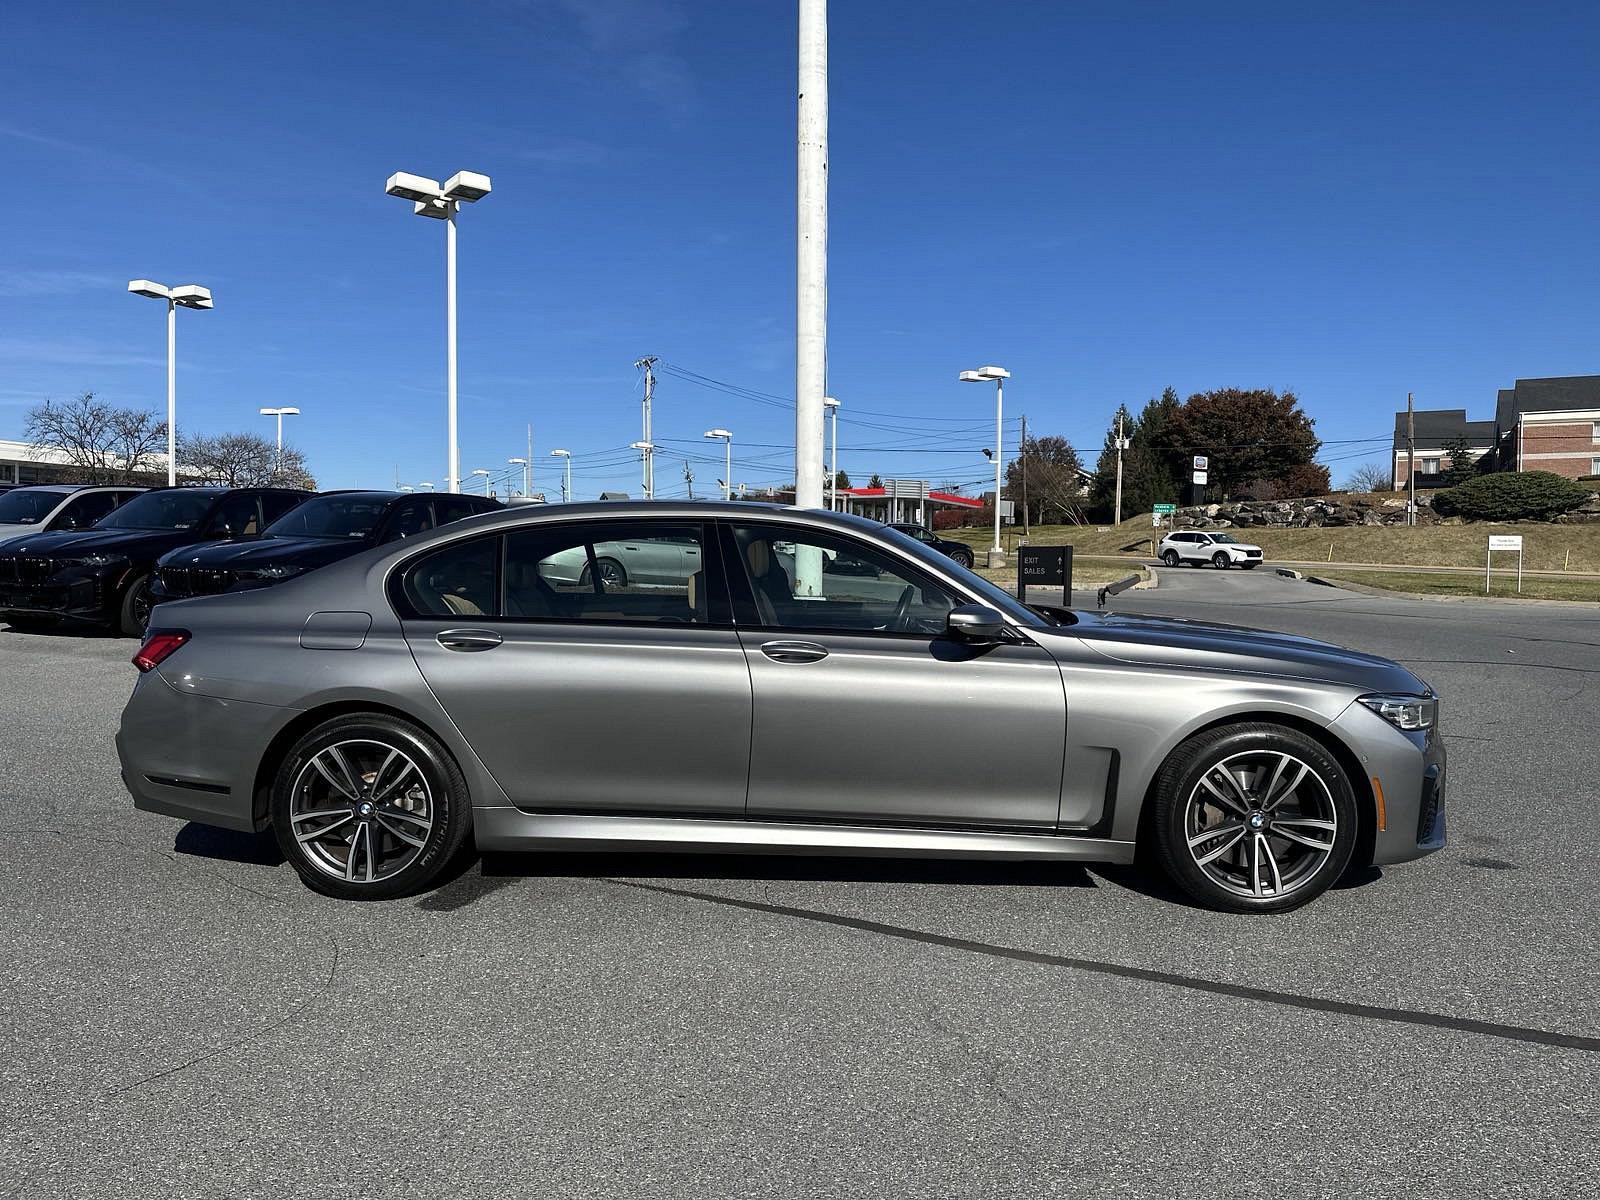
1539 425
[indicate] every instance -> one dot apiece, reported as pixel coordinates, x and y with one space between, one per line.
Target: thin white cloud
47 282
73 352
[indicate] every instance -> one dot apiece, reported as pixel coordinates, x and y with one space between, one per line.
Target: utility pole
647 365
527 471
688 477
1022 465
1411 460
1122 444
811 276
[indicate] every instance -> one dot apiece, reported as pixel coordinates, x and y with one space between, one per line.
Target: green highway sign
1165 508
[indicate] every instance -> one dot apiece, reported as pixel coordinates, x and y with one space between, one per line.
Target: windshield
990 594
338 517
25 507
176 509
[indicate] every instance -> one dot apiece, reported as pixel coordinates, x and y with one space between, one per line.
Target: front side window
275 504
408 520
83 511
238 516
806 580
607 571
172 509
454 509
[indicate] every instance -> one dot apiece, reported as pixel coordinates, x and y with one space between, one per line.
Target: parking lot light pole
190 295
523 463
727 471
646 449
997 556
442 202
280 413
485 474
566 484
832 407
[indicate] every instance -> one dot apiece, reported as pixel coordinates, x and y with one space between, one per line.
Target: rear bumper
195 757
1410 770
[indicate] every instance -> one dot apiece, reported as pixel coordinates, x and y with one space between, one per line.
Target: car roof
60 489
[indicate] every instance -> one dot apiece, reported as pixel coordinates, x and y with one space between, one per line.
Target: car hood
10 533
1178 642
140 544
253 553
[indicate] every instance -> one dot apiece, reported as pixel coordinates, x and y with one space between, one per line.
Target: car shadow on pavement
646 864
227 845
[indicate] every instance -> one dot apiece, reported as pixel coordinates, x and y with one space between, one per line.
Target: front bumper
194 757
67 595
1409 768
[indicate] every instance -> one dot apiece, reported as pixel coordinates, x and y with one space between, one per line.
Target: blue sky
1105 198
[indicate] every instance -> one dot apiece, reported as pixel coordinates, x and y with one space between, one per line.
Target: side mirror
974 623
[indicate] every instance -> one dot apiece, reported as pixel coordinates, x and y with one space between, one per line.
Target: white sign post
1502 541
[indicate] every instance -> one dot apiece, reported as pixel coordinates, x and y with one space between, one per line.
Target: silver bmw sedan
784 681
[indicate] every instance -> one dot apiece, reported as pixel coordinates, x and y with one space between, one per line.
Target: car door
586 697
866 711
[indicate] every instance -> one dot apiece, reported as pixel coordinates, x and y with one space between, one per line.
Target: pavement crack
247 1039
1370 1012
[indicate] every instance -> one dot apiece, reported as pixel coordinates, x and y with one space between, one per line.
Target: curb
1367 590
1291 573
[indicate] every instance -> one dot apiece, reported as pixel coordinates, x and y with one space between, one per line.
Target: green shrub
1511 496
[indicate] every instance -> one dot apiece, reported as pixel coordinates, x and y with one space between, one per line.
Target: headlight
103 560
1411 713
278 571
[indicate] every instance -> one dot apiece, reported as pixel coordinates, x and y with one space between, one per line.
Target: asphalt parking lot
184 1019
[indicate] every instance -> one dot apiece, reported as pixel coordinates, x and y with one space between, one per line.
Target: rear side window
461 580
607 572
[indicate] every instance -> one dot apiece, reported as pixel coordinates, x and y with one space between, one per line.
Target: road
184 1019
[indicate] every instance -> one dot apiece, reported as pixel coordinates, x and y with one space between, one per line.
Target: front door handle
794 652
468 640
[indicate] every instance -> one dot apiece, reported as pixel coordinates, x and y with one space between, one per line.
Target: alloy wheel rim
1260 824
361 810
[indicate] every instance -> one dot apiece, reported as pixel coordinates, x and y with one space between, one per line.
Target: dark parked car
324 529
958 551
102 576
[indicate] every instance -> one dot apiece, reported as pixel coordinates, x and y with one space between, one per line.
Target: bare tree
103 443
242 460
1369 477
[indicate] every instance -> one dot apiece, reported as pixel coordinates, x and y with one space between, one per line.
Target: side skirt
513 829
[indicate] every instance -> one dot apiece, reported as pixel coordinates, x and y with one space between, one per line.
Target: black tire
1171 558
1172 824
448 807
962 558
1220 560
133 614
612 574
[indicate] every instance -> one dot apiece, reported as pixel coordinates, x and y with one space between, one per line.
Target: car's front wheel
962 558
133 618
1254 817
1220 560
370 807
1170 558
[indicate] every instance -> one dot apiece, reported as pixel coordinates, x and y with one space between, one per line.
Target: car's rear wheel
1253 817
612 574
1170 558
370 807
1220 560
134 615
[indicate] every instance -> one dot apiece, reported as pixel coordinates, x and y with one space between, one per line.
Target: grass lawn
1084 574
1545 547
1533 588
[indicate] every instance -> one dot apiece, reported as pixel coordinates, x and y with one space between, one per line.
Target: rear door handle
794 652
468 640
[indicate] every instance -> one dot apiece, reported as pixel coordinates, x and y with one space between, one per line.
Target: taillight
158 647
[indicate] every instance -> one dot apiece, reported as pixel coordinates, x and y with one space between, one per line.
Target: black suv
323 530
101 576
958 552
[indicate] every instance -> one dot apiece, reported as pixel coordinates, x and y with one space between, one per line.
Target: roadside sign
1164 508
1509 542
1200 477
1044 575
1201 462
1155 519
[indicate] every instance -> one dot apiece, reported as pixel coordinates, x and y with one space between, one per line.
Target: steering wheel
902 610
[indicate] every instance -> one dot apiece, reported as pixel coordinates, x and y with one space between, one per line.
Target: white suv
1218 549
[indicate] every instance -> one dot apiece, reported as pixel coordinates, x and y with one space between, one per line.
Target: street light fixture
997 556
431 199
727 473
280 413
645 449
527 473
485 474
566 485
832 407
427 483
190 295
